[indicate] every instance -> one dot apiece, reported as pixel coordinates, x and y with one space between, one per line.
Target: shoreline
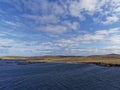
98 63
101 60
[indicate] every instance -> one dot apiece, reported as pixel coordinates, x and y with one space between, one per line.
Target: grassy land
105 60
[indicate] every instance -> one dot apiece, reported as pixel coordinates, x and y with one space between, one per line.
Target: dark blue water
56 76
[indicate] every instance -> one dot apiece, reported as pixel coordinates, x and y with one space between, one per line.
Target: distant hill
113 54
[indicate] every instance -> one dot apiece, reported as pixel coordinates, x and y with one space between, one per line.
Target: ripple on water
56 76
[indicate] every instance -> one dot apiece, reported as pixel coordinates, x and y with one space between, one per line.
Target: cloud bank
59 27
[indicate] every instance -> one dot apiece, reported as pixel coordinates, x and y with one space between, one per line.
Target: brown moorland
104 60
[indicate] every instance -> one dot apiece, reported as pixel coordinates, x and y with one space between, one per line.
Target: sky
59 27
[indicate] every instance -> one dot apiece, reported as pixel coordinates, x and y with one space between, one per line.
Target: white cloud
54 18
53 29
111 19
46 19
89 6
110 36
107 32
115 39
71 46
75 8
10 23
117 9
13 47
71 25
52 24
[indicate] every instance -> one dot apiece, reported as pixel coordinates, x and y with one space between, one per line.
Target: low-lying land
104 60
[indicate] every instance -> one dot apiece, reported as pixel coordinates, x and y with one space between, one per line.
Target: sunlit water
56 76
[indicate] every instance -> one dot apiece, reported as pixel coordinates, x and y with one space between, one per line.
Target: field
105 60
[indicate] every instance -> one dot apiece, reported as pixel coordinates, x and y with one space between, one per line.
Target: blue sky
59 27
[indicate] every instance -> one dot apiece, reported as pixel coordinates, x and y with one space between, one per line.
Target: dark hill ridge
113 55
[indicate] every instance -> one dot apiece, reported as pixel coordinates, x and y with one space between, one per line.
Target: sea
57 76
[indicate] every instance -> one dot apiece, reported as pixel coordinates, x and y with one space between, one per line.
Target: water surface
56 76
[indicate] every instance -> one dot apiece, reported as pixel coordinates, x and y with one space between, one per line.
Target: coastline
101 60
